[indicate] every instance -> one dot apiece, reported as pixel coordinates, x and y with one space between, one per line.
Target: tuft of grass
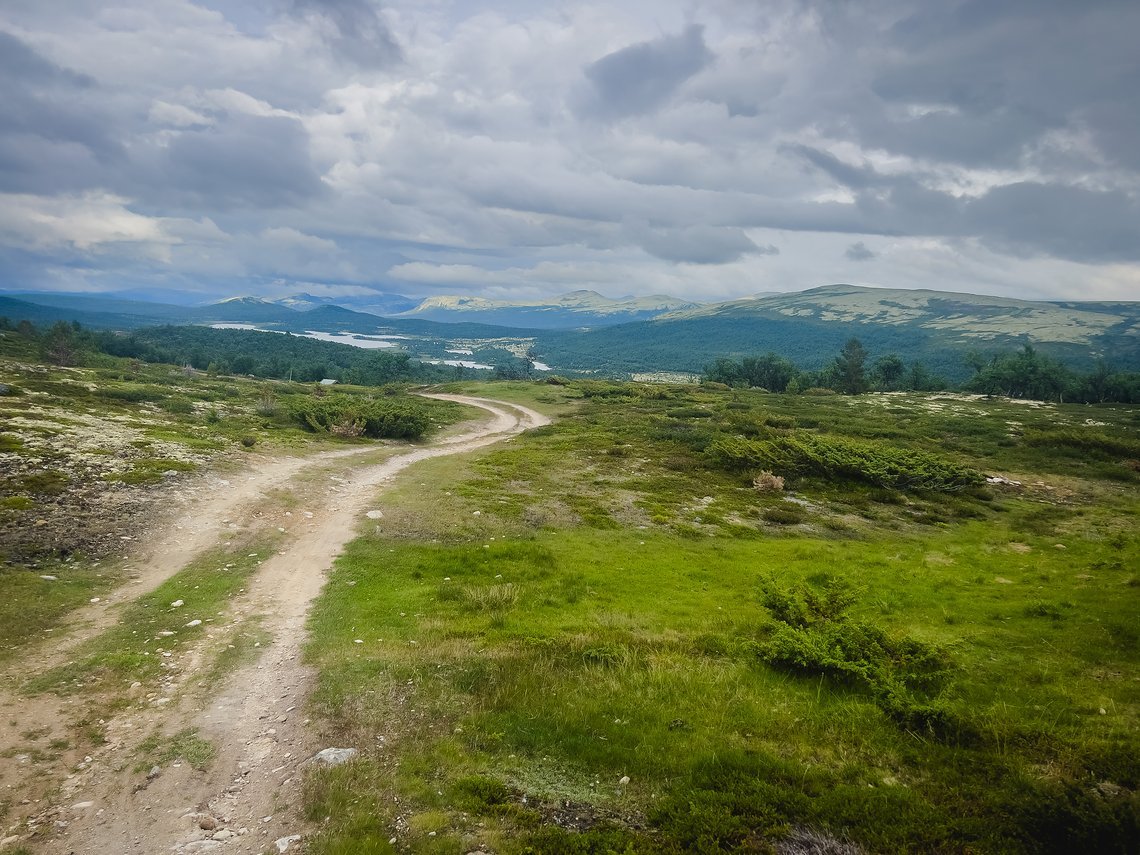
184 746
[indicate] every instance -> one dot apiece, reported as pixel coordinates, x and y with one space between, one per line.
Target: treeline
1021 374
850 373
278 356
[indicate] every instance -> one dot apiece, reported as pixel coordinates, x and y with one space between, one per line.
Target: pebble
375 515
195 623
177 604
82 805
623 780
49 579
207 822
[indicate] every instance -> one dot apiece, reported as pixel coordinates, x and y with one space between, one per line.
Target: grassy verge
32 605
153 627
599 639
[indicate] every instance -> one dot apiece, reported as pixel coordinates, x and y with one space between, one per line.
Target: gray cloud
52 135
641 77
700 245
243 161
354 30
1030 218
997 145
858 252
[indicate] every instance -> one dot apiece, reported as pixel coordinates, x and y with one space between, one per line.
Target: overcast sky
504 148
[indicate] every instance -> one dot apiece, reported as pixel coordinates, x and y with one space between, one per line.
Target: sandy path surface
250 793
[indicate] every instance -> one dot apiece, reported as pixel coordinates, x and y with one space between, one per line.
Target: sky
518 150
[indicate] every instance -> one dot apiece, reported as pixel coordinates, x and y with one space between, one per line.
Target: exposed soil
247 797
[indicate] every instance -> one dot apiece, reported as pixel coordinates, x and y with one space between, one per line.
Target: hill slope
576 309
809 327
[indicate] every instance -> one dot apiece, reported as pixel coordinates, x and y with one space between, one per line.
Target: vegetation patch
157 623
343 415
845 459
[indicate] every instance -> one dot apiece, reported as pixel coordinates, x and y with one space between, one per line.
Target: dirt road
246 799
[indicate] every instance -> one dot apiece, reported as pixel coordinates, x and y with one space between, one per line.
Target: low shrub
837 458
766 482
345 415
816 637
1084 440
132 394
784 516
177 405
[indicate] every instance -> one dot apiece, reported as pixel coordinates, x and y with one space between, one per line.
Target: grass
151 626
186 746
917 672
31 605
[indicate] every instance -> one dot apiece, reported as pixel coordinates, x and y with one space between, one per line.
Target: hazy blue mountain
379 303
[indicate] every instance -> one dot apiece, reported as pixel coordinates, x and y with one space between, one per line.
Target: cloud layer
501 148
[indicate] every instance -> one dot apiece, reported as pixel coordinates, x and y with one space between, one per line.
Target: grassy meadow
620 633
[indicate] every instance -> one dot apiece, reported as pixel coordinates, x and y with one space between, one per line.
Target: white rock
195 623
224 834
283 843
335 756
623 780
196 846
48 579
177 604
375 515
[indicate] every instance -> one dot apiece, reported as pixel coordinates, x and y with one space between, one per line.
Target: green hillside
937 328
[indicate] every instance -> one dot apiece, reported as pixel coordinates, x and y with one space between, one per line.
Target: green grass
133 648
185 746
622 607
31 606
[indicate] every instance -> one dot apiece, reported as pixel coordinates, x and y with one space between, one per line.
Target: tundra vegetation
693 619
88 450
678 619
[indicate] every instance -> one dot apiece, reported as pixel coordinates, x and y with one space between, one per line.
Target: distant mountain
937 327
573 310
809 327
968 318
247 310
380 303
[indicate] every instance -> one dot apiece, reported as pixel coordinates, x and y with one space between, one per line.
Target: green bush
815 637
1085 440
784 516
177 405
346 415
834 457
132 394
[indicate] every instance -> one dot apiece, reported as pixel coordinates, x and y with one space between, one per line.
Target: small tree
888 371
849 368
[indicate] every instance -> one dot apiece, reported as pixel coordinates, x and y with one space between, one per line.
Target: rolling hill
569 311
809 327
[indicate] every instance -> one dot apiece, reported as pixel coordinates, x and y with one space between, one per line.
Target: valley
674 618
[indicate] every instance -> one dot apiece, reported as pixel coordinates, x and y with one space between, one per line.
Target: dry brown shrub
766 482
